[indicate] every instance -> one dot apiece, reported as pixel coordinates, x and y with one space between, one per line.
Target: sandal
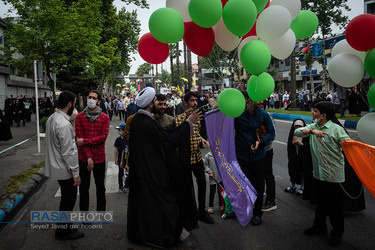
290 190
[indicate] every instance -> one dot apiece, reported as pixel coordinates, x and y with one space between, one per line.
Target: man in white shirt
62 159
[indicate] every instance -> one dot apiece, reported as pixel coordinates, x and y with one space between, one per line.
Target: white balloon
365 128
283 46
343 46
245 41
346 69
224 38
273 22
181 6
294 6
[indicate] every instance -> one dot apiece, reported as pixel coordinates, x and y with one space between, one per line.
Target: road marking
111 180
17 144
280 142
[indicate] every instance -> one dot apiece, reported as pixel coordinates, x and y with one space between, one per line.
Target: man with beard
62 159
153 215
92 127
160 116
191 157
254 130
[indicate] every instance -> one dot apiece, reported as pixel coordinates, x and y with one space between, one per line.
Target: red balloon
360 32
252 32
224 2
151 50
198 39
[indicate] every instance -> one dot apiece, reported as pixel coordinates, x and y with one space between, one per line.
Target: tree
328 12
49 30
143 69
309 61
177 54
165 76
171 55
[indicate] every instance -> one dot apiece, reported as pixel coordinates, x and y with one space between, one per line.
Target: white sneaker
210 210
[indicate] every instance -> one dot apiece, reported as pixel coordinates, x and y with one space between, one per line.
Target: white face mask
317 120
91 103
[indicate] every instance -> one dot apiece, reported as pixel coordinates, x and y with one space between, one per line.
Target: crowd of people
170 130
346 100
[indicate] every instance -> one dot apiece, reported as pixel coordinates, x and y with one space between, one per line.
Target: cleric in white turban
144 97
153 213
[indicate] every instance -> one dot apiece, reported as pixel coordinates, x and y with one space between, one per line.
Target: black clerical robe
153 216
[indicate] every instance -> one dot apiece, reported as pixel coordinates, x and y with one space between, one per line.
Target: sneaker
124 189
315 230
269 206
73 235
205 217
300 192
210 210
290 190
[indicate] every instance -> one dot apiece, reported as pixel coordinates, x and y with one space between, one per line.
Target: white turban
145 97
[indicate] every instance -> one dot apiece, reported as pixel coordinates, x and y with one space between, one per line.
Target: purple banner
242 195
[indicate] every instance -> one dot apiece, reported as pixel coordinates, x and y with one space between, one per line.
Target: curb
15 199
308 119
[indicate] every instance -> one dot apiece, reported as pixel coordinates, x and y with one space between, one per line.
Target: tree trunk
189 69
157 74
171 62
200 78
185 62
177 54
324 65
293 79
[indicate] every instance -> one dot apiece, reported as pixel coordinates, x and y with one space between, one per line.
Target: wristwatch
311 132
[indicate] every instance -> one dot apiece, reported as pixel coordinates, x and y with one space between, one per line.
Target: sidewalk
18 159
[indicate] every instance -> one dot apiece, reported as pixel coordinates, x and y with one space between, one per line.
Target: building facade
12 83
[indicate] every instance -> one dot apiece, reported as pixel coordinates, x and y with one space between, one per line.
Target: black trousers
330 202
99 174
198 171
120 177
254 171
122 113
213 188
269 177
67 202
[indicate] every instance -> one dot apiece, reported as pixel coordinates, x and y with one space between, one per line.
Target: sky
356 6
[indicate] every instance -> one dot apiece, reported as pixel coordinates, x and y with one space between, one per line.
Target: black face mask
70 111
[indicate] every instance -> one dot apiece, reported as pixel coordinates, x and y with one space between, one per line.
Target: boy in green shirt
326 135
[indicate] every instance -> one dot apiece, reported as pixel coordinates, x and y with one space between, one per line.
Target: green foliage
84 41
43 123
328 12
143 69
165 77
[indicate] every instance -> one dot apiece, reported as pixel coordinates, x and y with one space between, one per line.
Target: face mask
91 103
70 111
216 95
131 102
202 98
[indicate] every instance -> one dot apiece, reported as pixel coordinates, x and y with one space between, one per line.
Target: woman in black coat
299 162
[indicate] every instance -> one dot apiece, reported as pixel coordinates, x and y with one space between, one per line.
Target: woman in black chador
299 163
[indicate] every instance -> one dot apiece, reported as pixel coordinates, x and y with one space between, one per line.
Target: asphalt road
281 228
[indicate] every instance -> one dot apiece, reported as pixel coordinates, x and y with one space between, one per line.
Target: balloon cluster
256 28
350 58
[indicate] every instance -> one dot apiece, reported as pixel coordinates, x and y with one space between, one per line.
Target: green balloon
231 102
260 4
239 16
260 87
255 57
305 24
371 96
166 25
370 63
205 13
